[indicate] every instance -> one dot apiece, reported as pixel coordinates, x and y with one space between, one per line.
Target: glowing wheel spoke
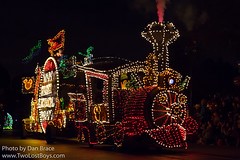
166 120
160 110
168 104
170 97
164 106
160 117
180 118
175 98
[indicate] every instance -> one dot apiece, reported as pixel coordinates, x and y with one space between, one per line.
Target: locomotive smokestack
160 35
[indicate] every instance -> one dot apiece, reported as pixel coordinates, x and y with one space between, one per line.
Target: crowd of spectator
219 120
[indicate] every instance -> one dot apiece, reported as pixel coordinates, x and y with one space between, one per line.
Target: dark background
207 50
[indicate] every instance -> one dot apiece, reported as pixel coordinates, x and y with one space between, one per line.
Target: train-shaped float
109 100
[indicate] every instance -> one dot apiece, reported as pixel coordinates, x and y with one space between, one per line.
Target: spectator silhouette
204 111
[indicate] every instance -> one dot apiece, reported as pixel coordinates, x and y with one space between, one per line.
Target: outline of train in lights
112 100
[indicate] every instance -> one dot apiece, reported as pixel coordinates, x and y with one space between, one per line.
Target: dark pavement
72 149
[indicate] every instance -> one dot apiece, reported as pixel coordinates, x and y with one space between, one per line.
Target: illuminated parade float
110 100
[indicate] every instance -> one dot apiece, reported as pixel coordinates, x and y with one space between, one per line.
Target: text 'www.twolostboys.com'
30 152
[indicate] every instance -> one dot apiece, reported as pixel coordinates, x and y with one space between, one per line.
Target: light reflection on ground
83 152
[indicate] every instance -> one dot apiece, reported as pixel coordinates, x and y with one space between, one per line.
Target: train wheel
169 107
101 133
118 136
84 136
79 137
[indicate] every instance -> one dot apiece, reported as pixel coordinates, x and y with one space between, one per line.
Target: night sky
207 48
